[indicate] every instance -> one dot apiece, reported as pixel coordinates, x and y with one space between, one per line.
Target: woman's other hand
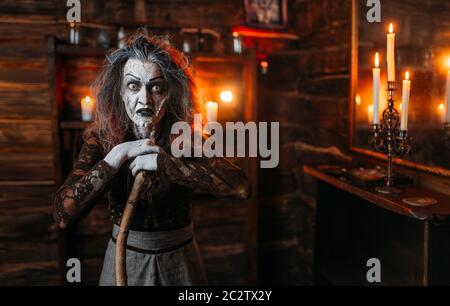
128 150
146 162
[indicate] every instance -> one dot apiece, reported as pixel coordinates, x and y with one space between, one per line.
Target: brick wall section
306 90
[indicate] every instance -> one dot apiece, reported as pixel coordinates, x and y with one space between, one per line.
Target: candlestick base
388 190
420 201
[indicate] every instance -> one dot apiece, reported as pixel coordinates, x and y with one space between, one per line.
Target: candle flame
264 64
88 99
407 75
441 107
377 60
235 34
391 28
447 62
226 96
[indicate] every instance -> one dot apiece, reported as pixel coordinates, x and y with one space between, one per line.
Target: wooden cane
121 241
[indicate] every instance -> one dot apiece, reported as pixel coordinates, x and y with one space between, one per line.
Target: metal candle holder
388 139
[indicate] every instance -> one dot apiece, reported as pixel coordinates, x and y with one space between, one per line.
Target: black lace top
165 206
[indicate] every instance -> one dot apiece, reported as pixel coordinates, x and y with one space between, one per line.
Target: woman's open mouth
145 112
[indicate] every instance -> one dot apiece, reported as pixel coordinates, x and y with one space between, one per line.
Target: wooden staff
140 182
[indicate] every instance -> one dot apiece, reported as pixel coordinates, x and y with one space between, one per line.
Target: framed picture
267 14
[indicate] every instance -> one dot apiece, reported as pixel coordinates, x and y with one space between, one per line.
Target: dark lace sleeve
216 176
88 179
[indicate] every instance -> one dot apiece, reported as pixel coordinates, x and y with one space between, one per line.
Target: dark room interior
360 176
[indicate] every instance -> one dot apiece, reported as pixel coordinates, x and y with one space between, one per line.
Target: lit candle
211 111
405 102
370 113
390 55
264 66
376 89
447 94
74 34
87 108
237 43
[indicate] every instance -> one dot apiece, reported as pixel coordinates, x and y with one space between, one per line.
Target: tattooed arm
91 175
216 176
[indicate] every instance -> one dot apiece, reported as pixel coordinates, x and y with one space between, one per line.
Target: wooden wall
306 90
28 252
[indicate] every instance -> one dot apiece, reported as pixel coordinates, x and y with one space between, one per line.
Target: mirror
422 46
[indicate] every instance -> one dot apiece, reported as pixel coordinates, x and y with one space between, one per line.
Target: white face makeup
144 93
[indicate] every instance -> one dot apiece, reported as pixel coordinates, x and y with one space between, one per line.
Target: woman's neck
141 132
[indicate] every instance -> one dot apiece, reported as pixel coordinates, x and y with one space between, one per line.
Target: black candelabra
389 139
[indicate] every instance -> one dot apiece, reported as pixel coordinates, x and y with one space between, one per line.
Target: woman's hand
128 150
146 162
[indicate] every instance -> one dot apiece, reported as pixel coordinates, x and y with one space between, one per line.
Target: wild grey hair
111 121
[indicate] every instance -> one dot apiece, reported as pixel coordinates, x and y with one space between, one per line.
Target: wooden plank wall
306 90
28 252
28 243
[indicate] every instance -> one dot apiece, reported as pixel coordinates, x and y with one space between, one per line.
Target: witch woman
142 90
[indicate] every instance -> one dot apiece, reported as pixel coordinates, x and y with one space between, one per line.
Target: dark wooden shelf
394 203
80 50
74 125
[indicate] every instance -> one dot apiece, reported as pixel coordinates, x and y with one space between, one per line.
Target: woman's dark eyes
157 88
133 86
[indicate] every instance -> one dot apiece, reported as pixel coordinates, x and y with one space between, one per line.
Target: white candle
237 43
376 89
211 111
447 99
405 102
87 108
74 34
264 66
390 55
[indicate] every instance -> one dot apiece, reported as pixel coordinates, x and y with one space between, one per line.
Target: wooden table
356 223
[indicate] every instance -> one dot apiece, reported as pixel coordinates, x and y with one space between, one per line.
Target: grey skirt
170 258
